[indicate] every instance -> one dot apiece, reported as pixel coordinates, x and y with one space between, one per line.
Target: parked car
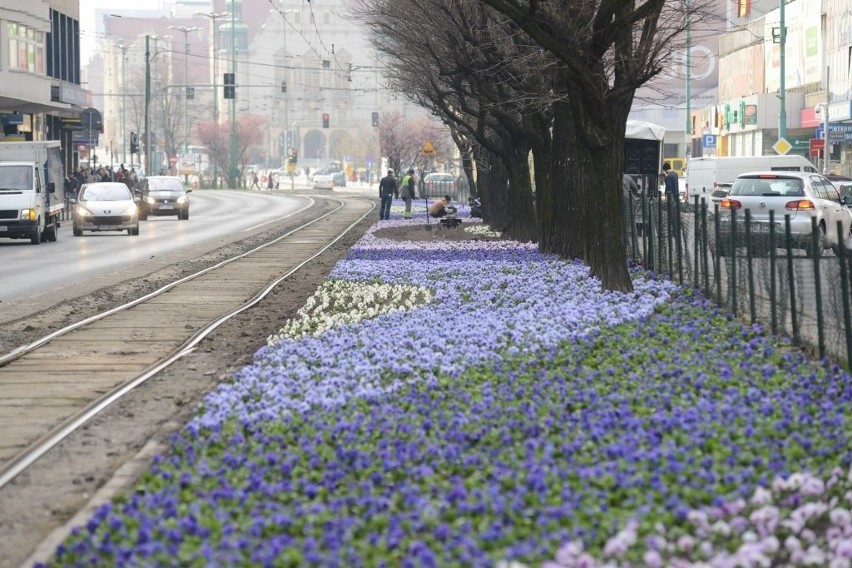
438 184
323 181
801 195
105 206
164 195
717 195
339 179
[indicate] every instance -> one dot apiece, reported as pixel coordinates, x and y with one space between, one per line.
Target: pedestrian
387 191
270 183
475 206
407 192
671 182
672 195
441 207
80 176
629 185
254 181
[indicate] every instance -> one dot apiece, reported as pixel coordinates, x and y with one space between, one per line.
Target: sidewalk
474 403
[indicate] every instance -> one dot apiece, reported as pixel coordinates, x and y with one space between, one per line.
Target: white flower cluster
339 302
482 231
799 521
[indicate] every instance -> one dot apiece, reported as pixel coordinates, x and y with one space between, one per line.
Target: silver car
105 206
801 195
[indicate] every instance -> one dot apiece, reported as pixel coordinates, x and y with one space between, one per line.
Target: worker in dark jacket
387 191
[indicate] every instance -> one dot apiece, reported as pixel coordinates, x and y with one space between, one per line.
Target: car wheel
185 216
134 231
76 231
51 234
35 238
820 244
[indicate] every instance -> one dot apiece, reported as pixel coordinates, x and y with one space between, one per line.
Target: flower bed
495 407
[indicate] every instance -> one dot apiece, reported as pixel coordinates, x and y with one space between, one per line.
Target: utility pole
122 112
688 126
213 16
147 104
782 114
233 109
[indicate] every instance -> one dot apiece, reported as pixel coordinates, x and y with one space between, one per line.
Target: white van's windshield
16 177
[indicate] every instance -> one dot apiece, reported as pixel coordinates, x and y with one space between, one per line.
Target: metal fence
761 272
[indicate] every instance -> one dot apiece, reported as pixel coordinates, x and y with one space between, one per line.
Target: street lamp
286 92
148 58
123 49
213 16
186 30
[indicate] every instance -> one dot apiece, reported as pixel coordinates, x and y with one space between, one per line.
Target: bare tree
217 139
460 61
607 49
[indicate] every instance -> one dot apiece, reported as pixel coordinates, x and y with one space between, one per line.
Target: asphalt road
49 272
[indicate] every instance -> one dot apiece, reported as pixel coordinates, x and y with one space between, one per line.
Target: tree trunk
495 201
567 232
544 198
602 215
522 219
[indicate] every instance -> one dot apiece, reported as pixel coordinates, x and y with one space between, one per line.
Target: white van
704 174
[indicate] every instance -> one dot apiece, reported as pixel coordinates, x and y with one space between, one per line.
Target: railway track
53 387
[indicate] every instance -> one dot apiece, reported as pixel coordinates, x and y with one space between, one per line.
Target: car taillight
730 204
800 205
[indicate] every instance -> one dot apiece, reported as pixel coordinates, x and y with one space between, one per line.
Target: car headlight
131 210
150 200
83 212
182 199
28 215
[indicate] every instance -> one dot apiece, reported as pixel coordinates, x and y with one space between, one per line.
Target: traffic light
134 143
190 93
283 86
230 86
376 119
325 120
294 156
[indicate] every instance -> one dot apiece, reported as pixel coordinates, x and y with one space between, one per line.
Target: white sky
88 31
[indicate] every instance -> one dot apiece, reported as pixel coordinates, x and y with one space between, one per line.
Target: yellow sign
428 149
782 146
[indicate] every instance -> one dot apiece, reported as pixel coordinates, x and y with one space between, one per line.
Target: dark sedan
164 195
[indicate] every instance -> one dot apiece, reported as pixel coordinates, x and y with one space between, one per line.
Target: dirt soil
108 454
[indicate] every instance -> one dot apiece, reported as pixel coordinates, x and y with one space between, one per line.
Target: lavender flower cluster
520 410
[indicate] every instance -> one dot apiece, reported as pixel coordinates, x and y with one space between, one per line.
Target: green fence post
772 269
844 290
815 236
733 254
705 249
697 254
750 266
791 279
717 267
678 240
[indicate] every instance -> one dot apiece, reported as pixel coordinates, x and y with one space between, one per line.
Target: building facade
41 97
304 71
747 119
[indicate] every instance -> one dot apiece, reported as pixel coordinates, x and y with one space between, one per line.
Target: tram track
53 387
